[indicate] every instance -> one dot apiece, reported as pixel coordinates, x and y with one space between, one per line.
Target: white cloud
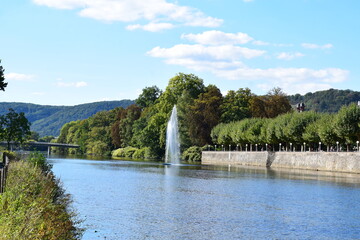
72 84
209 53
226 61
19 77
316 46
218 38
151 27
260 43
289 56
291 80
153 11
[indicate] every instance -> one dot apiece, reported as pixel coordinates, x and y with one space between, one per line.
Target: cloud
72 84
289 56
151 27
260 43
218 38
227 62
154 11
291 80
200 52
19 77
316 46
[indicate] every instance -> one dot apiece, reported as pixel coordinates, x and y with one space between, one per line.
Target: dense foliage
295 128
33 205
329 101
139 131
48 120
3 84
14 127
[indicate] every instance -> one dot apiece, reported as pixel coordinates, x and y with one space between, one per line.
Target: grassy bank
33 205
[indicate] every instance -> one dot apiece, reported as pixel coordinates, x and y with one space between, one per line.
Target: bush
129 151
10 155
38 160
33 206
118 152
192 154
149 154
139 153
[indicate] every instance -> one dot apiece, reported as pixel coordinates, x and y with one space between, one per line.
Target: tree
14 127
347 123
277 103
148 96
204 115
3 84
236 105
271 105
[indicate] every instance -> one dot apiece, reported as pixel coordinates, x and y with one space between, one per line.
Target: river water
118 199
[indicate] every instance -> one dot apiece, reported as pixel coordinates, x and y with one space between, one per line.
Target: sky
69 52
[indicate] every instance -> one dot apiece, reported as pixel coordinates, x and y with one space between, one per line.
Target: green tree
236 105
347 123
148 96
204 115
326 130
271 105
3 84
277 103
14 127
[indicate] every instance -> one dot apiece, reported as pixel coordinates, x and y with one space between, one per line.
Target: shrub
38 160
192 154
33 206
149 154
129 151
139 153
10 155
118 152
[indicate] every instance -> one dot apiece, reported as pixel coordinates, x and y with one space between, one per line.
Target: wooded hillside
326 101
48 120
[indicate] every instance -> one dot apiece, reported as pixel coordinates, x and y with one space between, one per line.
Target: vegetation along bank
34 206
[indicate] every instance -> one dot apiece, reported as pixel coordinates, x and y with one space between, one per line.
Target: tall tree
278 103
3 84
347 123
204 115
148 96
236 105
14 127
271 105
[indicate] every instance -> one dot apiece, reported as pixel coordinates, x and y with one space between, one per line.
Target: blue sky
67 52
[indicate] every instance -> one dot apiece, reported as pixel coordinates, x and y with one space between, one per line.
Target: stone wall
324 161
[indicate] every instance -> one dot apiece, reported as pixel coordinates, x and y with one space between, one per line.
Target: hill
326 101
48 120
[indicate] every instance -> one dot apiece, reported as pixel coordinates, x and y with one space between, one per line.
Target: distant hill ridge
47 120
326 101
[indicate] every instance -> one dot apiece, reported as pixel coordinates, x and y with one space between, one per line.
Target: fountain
172 154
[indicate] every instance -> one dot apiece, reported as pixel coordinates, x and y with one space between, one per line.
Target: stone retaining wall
324 161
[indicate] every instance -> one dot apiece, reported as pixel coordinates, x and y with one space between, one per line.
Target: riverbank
33 205
319 161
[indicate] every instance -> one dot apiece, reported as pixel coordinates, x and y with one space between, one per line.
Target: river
118 199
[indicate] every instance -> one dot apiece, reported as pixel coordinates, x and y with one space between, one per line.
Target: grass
34 206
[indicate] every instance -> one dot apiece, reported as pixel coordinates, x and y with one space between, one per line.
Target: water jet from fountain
172 152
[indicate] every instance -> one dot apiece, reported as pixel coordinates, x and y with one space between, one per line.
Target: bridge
42 144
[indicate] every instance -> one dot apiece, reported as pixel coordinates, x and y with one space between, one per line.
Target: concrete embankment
324 161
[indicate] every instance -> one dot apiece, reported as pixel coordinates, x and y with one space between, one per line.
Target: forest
48 120
206 117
